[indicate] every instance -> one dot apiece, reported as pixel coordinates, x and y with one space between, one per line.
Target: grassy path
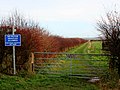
88 47
42 82
85 65
72 66
80 66
80 49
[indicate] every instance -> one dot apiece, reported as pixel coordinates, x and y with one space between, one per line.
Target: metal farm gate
68 64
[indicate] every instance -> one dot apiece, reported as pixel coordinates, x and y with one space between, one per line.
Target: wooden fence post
32 61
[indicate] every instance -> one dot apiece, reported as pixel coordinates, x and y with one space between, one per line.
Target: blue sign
13 40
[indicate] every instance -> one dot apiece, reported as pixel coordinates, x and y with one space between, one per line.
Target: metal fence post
14 65
70 65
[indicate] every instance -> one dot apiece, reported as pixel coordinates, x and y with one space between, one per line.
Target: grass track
79 49
43 82
84 65
93 47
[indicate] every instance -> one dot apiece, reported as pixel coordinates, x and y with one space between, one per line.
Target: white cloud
55 10
61 12
76 11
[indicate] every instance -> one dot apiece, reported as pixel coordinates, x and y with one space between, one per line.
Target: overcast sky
68 18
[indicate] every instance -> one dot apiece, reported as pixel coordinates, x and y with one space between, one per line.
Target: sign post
13 40
14 67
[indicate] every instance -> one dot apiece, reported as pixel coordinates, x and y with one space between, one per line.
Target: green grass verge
42 82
